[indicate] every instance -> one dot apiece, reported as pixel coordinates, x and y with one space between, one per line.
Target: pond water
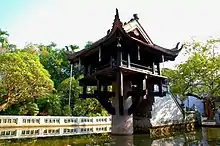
203 137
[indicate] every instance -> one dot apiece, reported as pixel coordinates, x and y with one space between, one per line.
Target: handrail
137 65
177 103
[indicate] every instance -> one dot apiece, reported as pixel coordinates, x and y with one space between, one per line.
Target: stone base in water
143 126
164 131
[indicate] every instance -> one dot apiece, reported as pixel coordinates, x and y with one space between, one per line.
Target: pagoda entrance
124 66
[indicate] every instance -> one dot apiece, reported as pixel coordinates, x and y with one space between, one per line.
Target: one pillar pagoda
127 60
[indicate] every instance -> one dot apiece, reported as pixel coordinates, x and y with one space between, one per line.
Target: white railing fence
22 121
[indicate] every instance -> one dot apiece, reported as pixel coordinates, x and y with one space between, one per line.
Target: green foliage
73 48
55 61
23 78
3 39
89 107
200 73
11 110
49 104
5 46
29 108
64 89
28 77
88 45
67 110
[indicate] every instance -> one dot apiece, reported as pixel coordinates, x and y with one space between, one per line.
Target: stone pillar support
122 124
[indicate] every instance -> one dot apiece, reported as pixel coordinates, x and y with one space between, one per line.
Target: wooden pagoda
127 60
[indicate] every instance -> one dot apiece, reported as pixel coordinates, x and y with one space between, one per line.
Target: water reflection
201 137
30 132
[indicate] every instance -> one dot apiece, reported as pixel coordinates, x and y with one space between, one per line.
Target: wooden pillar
158 68
122 124
119 58
79 67
153 68
89 69
119 91
139 55
100 54
128 61
111 61
142 114
161 82
86 70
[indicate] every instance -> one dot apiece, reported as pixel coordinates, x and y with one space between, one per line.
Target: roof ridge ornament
177 46
117 22
117 15
135 16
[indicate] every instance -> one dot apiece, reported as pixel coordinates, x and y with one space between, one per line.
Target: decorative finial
117 15
108 31
117 23
135 16
177 45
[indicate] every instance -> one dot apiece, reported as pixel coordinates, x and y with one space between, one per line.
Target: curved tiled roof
118 26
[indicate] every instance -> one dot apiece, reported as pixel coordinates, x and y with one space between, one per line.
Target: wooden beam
97 94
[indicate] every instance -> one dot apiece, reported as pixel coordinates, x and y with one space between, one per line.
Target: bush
67 110
29 109
49 105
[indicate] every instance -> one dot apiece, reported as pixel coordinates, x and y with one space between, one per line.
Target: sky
68 22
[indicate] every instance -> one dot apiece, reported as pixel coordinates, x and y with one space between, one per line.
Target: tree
55 61
200 74
88 44
64 90
80 107
3 39
22 79
49 104
29 108
5 46
89 107
67 110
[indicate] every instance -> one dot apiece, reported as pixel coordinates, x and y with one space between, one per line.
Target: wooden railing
124 64
134 65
